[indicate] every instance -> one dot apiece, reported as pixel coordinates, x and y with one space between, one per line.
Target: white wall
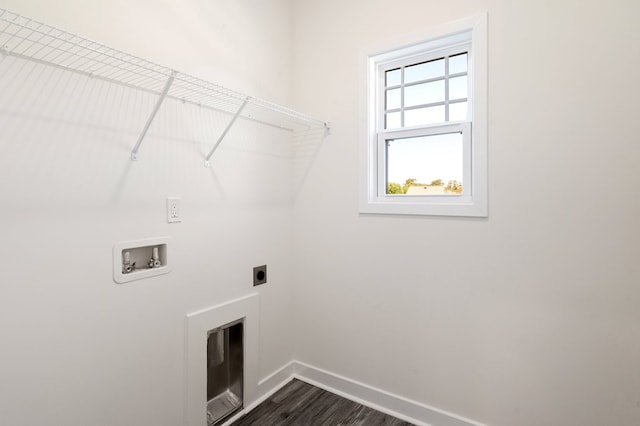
527 318
78 349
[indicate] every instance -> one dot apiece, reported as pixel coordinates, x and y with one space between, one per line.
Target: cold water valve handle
154 262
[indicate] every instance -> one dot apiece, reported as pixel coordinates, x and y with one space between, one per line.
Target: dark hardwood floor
301 404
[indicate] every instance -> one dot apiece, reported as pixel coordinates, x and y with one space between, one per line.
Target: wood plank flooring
301 404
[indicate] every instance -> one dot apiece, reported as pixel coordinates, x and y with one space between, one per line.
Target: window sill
411 206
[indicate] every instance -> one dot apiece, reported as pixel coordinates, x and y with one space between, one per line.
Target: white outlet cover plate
173 209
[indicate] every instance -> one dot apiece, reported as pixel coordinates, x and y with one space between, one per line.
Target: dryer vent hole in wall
225 372
259 275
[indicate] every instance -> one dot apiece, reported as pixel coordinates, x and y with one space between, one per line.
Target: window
425 150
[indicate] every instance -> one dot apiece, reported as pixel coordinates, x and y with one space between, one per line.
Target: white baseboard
397 406
272 383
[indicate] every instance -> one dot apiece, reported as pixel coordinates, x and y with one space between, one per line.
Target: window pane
458 64
422 116
458 111
393 99
458 87
392 77
392 120
424 71
425 165
426 93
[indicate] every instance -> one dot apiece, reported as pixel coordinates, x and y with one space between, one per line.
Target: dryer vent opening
225 365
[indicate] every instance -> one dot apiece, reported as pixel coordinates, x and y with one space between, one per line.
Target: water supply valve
127 265
154 262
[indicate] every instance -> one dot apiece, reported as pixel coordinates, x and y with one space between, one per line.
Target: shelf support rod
167 86
233 120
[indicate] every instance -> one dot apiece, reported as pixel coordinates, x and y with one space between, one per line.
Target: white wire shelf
28 39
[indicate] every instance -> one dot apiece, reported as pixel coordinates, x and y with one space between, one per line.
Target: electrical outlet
259 275
173 209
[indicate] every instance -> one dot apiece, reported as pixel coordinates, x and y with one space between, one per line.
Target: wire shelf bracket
224 133
27 39
134 152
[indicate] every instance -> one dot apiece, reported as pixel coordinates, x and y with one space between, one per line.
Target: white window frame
471 33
